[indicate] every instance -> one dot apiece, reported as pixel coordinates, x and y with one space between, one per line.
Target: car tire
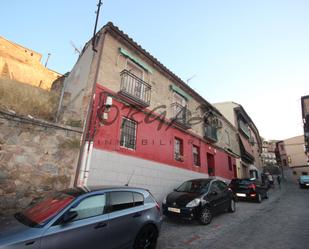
258 198
205 216
232 207
146 238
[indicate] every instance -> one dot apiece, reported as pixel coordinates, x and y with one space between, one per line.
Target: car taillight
252 186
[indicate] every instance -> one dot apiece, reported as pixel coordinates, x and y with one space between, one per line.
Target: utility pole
95 26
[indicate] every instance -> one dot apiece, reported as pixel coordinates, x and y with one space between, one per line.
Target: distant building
269 153
250 163
24 65
296 157
281 156
305 116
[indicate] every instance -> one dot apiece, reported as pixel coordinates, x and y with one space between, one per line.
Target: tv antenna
190 79
76 50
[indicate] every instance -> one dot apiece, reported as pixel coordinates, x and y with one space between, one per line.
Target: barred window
196 155
178 149
128 134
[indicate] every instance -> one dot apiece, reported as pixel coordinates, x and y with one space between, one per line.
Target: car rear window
44 210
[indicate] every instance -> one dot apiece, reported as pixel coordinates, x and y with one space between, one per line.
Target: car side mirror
69 216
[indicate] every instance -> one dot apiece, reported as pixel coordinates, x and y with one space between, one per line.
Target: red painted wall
153 143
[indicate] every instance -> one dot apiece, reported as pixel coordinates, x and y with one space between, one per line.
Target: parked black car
249 189
86 218
199 199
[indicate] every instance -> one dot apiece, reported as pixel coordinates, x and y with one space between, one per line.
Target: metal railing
181 115
135 88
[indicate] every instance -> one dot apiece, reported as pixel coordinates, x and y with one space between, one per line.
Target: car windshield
43 210
305 177
194 186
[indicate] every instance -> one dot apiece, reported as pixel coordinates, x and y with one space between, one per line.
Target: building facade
143 124
269 153
250 162
24 65
305 116
296 157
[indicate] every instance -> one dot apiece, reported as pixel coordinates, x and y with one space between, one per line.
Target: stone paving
275 223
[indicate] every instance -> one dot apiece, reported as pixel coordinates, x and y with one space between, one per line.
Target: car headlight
194 203
164 200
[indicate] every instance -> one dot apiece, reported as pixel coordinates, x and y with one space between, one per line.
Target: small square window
128 134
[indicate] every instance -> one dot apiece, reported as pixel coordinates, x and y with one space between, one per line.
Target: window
138 199
128 134
178 149
196 155
121 200
139 88
221 185
230 163
215 188
89 207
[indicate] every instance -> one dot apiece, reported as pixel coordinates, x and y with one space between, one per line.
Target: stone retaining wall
35 157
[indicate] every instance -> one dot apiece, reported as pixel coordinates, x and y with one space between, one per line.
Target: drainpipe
88 161
88 115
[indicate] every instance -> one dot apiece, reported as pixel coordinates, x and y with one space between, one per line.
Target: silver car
86 218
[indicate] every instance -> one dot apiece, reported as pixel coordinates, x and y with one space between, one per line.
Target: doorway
211 164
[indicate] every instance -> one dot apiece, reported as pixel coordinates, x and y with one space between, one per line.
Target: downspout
83 157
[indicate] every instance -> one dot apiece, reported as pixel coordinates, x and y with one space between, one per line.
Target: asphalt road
281 222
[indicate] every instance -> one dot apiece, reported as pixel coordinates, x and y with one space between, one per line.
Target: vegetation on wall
25 99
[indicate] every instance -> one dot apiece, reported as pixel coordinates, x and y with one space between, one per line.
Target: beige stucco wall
113 63
227 109
24 65
294 148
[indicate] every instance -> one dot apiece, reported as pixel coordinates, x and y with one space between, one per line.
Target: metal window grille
178 149
128 134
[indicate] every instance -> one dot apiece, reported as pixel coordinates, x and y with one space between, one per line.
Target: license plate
175 210
240 195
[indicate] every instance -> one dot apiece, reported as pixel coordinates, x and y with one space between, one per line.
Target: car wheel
205 216
259 198
232 207
146 238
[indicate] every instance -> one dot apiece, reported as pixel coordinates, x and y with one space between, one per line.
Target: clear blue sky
255 53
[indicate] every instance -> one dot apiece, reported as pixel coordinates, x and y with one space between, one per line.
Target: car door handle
100 225
138 214
30 243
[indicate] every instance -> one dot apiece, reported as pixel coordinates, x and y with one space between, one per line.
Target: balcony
211 133
136 90
180 115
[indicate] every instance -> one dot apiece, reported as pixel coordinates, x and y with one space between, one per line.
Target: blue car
303 181
85 218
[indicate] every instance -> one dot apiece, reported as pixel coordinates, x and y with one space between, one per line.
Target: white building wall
112 168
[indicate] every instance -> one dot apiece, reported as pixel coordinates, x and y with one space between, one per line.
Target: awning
180 91
135 59
246 149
